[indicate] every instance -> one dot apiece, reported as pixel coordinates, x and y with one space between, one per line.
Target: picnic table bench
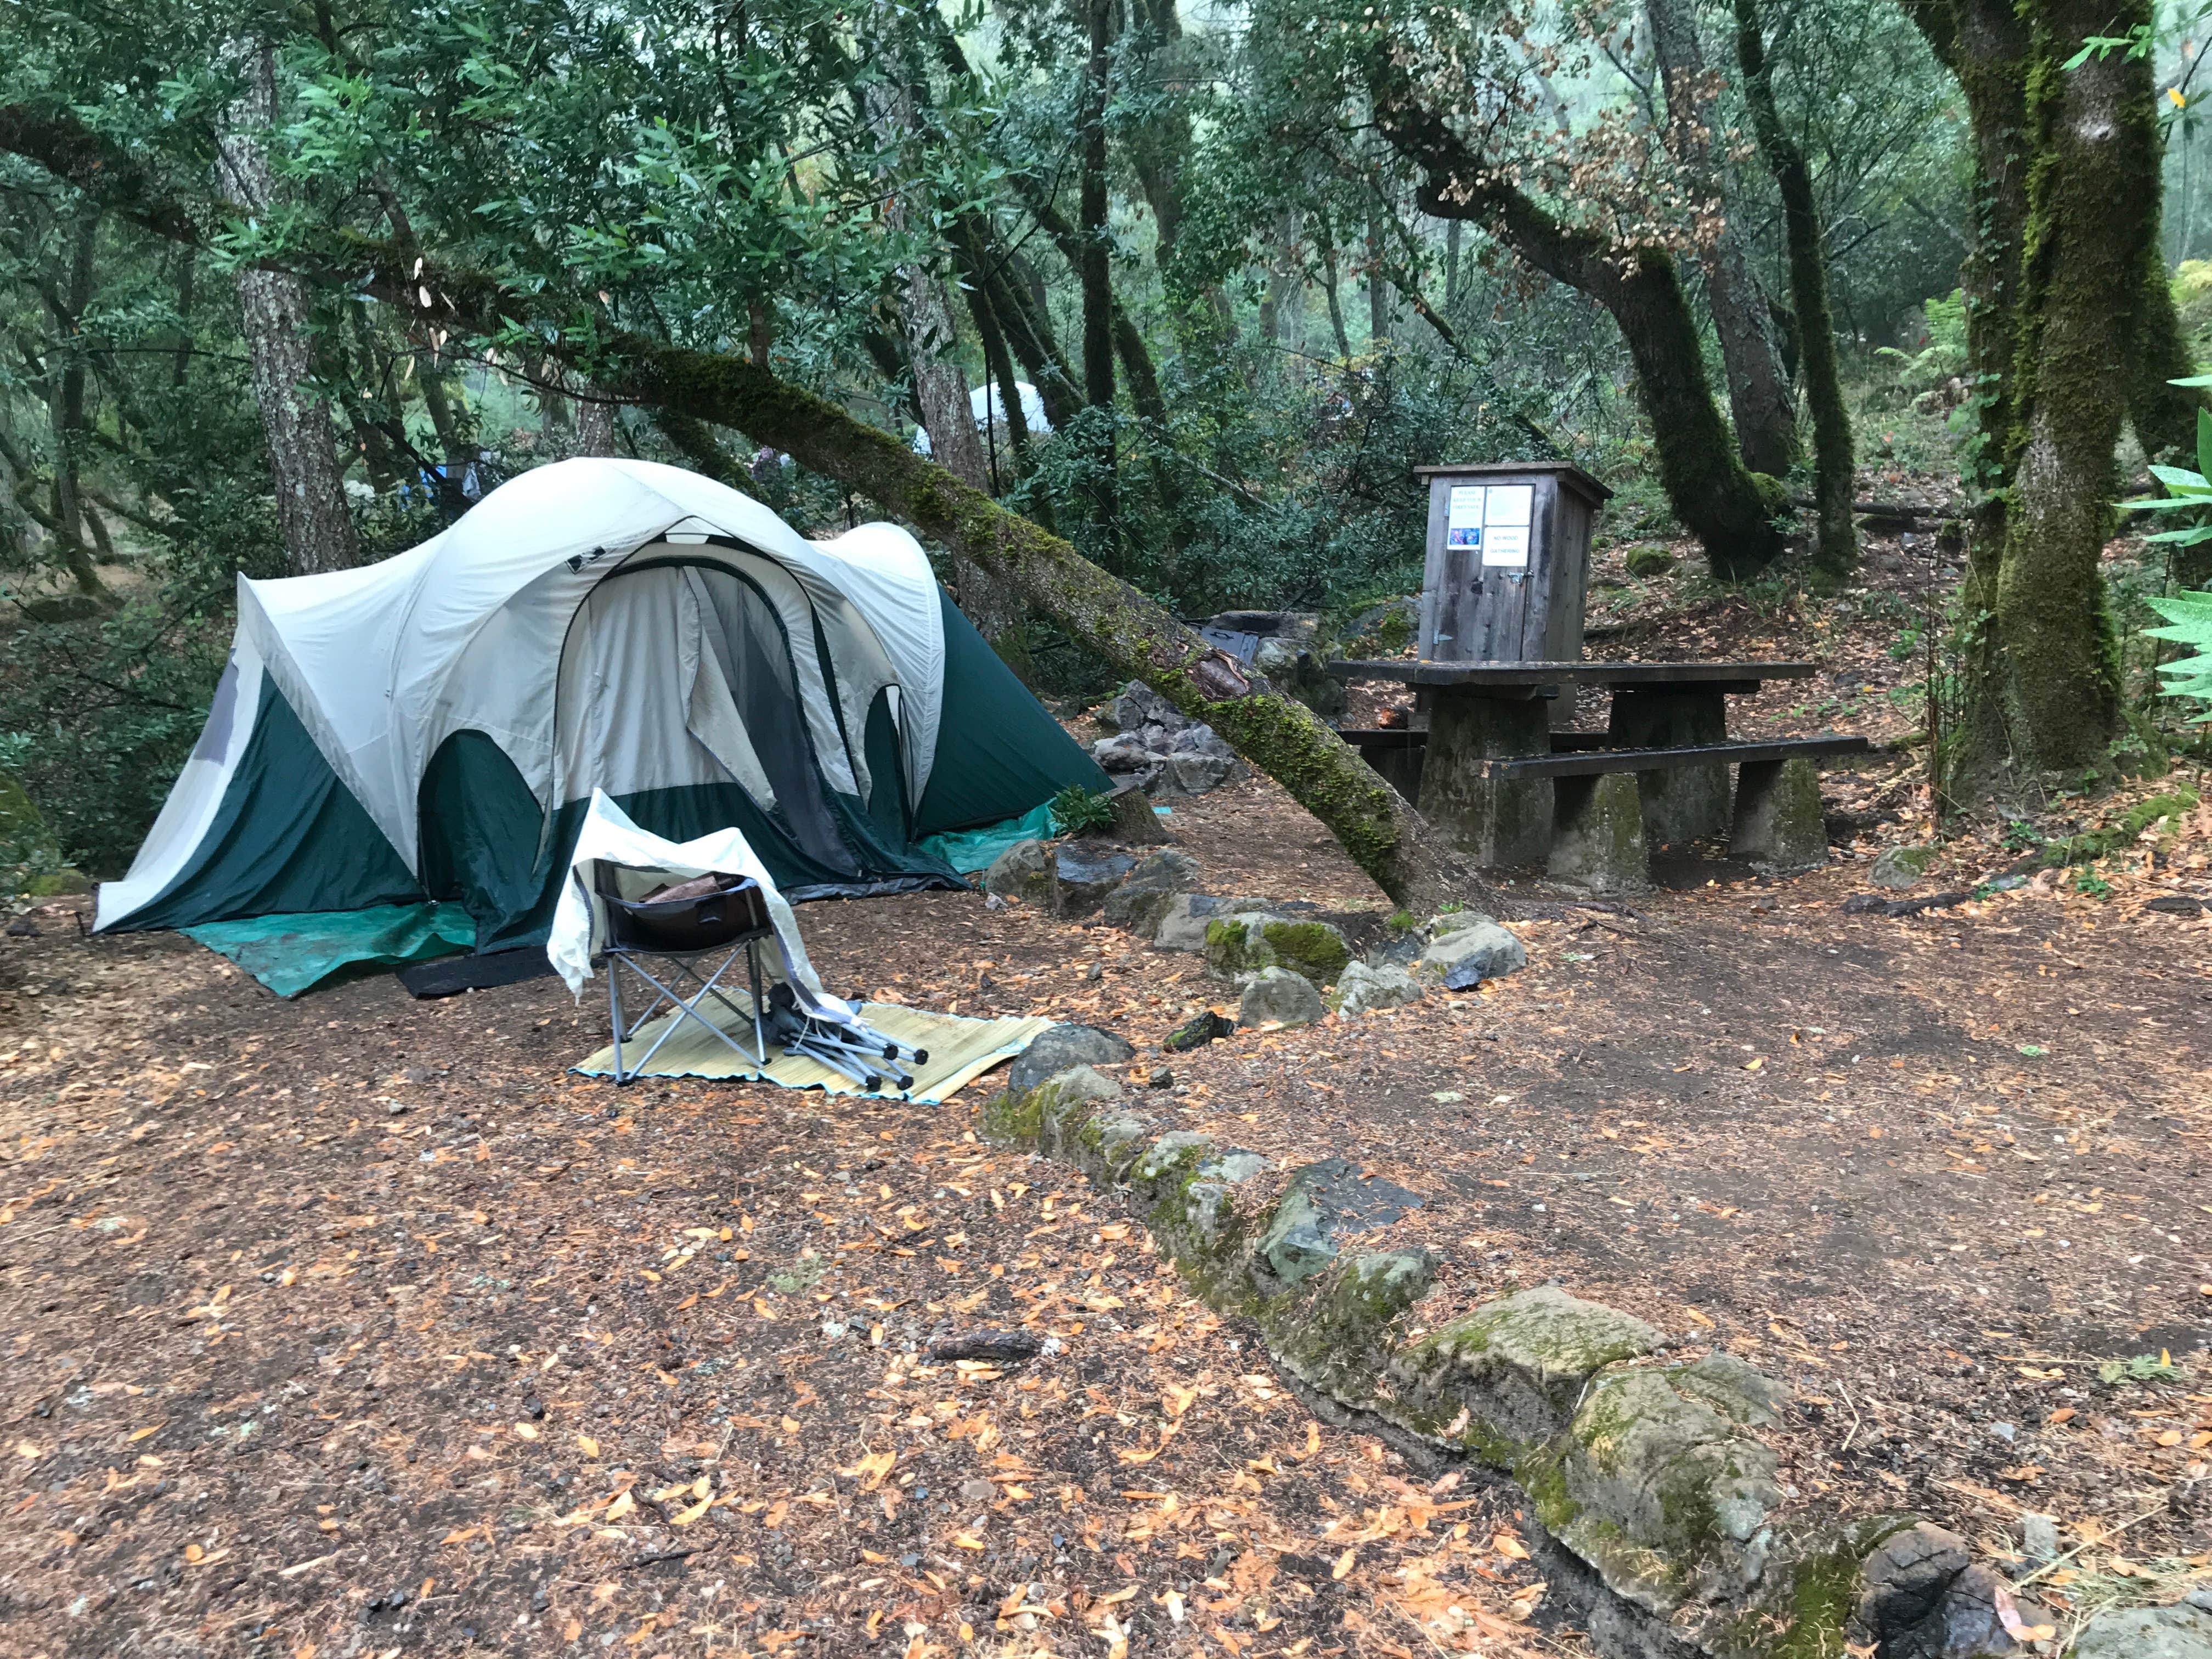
1494 775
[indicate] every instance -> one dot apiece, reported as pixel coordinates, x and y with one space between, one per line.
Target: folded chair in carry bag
680 928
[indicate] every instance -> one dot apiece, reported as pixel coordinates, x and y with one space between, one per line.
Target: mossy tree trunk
1733 511
1759 391
2066 227
2164 414
1835 542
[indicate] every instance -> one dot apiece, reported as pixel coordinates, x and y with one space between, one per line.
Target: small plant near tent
1079 811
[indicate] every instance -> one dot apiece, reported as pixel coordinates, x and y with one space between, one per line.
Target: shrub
1079 811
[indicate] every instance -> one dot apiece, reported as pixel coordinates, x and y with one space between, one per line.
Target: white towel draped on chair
580 923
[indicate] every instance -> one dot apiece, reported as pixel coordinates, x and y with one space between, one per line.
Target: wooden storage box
1508 564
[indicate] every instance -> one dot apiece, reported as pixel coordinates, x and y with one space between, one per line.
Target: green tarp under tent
426 733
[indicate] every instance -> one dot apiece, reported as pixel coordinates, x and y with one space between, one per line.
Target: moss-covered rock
1010 1118
1518 1365
1240 945
1901 866
1021 871
1039 1116
1338 1338
1649 1475
1662 1492
1314 948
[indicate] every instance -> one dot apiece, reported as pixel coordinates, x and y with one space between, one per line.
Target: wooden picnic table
1508 790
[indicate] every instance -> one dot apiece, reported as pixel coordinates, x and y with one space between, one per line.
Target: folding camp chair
730 922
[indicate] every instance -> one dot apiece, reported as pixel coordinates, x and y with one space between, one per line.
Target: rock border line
1651 1496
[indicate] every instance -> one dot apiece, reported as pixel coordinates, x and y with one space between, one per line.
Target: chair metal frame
619 953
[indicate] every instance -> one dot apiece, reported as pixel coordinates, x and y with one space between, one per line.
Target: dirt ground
356 1322
358 1326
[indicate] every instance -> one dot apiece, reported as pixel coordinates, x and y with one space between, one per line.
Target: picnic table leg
1682 802
1598 840
1778 824
1502 823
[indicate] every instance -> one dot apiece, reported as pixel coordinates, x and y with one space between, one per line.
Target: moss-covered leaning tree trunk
1734 511
1835 541
1283 738
2068 213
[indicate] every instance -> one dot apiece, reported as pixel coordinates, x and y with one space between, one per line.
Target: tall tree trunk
1092 268
1159 145
1730 509
1094 249
989 267
303 452
1758 392
1378 291
1002 401
65 409
939 386
595 421
2055 284
1835 540
1334 299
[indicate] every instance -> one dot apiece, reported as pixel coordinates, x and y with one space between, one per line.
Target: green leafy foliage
1079 811
1940 357
2188 618
2143 1368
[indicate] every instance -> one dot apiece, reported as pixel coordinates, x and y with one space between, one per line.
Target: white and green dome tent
429 731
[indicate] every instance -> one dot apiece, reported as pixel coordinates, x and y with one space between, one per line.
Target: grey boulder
1142 899
1464 958
1082 877
1276 996
1138 706
1061 1047
2180 1631
1198 760
1361 987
